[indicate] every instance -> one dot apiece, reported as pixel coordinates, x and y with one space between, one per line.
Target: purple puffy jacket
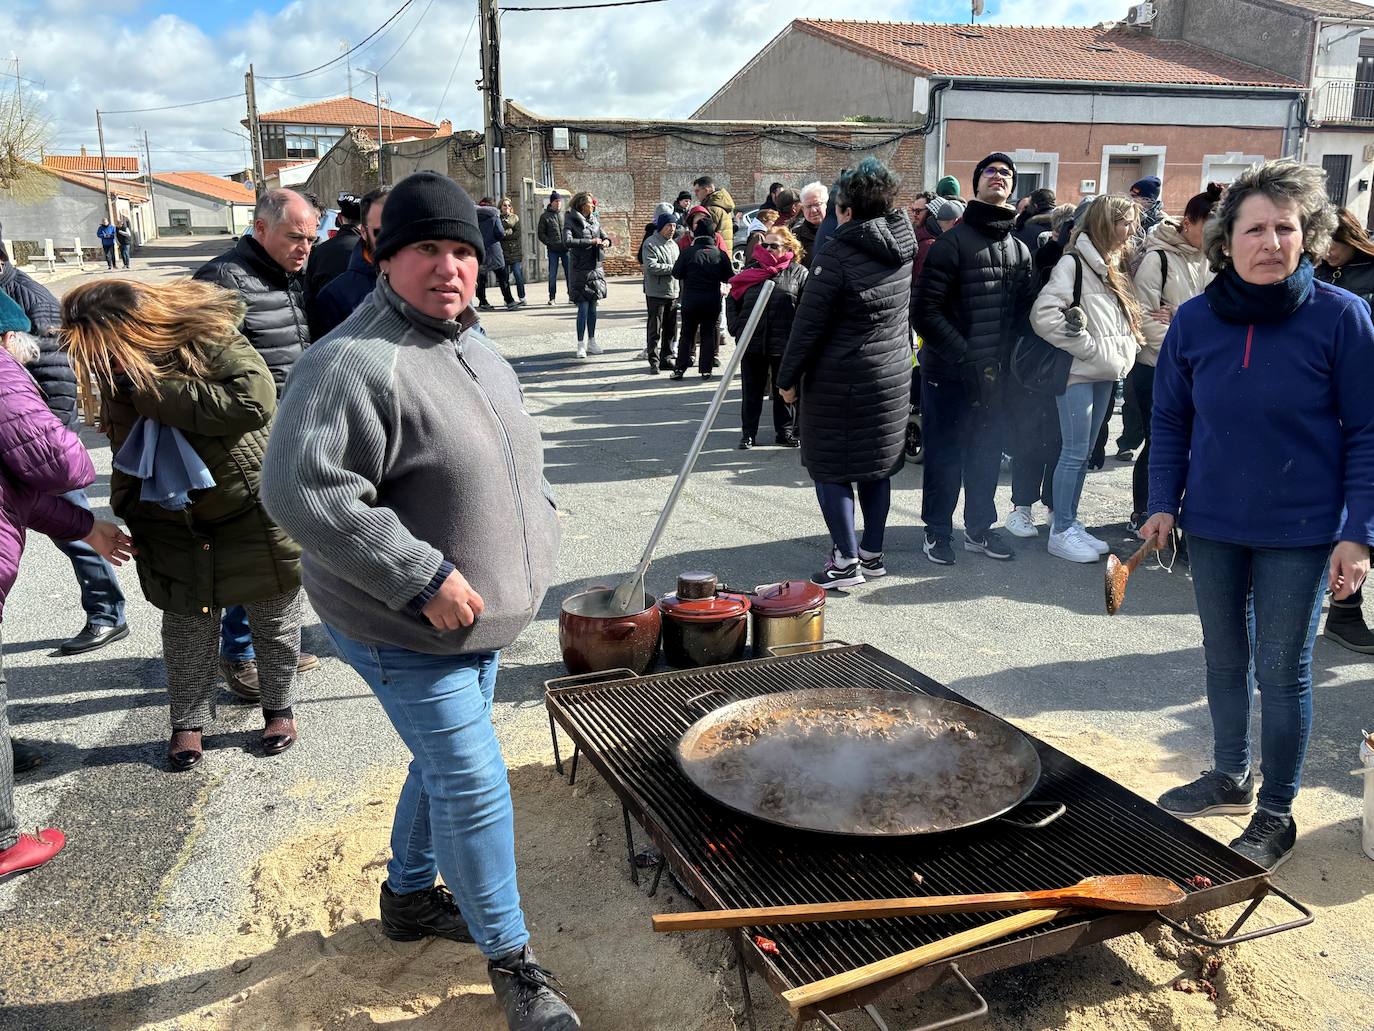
40 460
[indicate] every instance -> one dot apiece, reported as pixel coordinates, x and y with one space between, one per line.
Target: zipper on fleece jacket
510 471
1249 339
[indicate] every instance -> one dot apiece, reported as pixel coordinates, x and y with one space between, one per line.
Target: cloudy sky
643 61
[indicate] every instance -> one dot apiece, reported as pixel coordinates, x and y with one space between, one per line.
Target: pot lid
789 598
704 610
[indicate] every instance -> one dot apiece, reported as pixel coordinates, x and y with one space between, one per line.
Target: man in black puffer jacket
974 288
266 271
101 597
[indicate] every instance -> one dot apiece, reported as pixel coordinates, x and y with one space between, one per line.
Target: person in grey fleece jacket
404 463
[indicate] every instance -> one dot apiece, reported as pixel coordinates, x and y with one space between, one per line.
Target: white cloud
651 61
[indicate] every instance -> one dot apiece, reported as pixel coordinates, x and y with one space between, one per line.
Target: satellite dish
977 8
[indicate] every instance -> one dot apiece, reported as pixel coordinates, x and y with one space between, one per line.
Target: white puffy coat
1107 348
1188 274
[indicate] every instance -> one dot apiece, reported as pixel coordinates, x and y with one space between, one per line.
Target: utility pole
493 114
345 49
254 133
104 167
148 159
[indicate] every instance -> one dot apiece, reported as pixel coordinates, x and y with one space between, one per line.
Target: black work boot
1346 626
428 913
528 995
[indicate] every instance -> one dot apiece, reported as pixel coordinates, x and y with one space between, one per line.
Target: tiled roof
1060 52
1331 8
345 111
89 163
207 185
118 187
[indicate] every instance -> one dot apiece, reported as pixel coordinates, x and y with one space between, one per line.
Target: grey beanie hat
946 209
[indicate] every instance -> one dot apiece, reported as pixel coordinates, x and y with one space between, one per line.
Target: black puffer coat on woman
850 351
586 280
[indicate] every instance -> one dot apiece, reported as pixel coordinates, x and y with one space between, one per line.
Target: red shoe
31 851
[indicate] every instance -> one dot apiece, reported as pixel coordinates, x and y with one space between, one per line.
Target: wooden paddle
905 962
1125 892
1119 572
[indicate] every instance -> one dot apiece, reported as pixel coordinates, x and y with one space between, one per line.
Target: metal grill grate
629 729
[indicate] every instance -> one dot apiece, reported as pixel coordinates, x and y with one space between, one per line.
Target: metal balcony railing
1344 102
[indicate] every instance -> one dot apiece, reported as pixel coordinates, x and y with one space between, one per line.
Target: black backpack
1036 364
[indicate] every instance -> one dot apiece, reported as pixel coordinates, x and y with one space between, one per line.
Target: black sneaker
1345 625
990 544
839 571
1211 794
430 913
871 565
1268 840
746 443
25 756
788 440
1136 521
1125 455
529 994
938 550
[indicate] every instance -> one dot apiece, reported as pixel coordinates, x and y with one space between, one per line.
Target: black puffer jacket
551 230
850 350
329 260
586 278
52 370
974 289
275 323
702 267
1356 275
776 326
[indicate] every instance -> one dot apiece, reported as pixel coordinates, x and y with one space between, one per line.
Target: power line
346 53
408 35
585 7
454 69
172 107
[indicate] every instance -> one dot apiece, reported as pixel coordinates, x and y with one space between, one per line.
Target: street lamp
377 84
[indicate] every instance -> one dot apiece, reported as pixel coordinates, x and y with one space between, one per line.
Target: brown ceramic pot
705 631
593 641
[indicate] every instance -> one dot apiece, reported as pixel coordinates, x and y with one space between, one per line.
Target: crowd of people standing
283 421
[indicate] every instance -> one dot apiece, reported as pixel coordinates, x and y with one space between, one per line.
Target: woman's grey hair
23 347
817 189
1283 182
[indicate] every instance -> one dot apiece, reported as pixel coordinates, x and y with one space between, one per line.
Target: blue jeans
963 448
235 640
837 506
1082 409
1259 609
557 258
454 816
517 273
586 319
101 596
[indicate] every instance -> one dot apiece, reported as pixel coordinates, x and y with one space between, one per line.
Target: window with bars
1337 169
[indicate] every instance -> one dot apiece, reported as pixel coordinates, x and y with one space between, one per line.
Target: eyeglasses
773 246
1000 173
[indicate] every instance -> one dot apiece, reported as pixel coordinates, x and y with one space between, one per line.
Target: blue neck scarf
1235 300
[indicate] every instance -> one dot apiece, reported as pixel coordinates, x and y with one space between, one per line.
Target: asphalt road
1027 638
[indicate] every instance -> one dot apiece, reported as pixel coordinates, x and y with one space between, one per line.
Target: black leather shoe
26 757
429 913
93 637
184 750
529 994
787 440
678 374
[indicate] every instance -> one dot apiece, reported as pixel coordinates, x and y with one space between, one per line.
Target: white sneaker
581 349
592 346
1071 545
1097 542
641 356
1021 523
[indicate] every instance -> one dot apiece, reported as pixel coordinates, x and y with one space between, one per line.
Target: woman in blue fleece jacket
1262 449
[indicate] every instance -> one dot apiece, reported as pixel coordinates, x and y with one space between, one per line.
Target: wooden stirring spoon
1136 892
1119 572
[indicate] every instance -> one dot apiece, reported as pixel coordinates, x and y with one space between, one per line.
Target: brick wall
630 175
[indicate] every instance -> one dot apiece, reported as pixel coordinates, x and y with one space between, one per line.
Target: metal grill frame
1244 881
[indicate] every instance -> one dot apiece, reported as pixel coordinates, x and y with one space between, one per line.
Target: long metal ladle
629 596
